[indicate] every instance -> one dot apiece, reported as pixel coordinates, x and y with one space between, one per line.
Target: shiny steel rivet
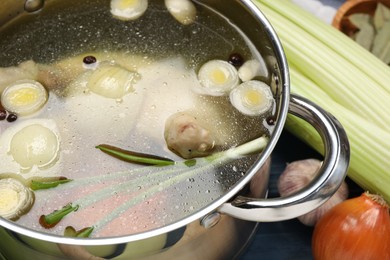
210 220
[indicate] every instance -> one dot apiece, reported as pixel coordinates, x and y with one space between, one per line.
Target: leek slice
15 198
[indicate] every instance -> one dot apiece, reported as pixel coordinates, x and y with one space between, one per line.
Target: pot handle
329 177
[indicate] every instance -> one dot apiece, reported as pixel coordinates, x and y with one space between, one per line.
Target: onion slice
217 78
24 97
15 198
252 98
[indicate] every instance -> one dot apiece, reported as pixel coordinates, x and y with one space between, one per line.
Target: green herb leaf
82 233
52 219
135 157
48 183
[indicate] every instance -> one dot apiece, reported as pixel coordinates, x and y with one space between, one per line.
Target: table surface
289 239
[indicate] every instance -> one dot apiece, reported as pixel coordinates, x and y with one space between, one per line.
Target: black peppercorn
89 59
12 117
271 120
3 114
236 60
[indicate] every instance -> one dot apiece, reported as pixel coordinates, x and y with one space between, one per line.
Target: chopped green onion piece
52 219
190 162
82 233
134 157
48 183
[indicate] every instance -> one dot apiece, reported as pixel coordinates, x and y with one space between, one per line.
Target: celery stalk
342 77
340 43
337 76
369 165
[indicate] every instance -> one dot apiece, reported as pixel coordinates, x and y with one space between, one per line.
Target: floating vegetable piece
299 174
15 198
24 97
82 233
251 69
183 11
134 157
48 183
358 228
252 98
52 219
35 145
128 9
111 81
217 78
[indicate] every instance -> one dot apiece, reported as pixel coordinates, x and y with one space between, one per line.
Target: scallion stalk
48 183
134 157
52 219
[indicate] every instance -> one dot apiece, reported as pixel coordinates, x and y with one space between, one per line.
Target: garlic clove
299 174
128 9
251 69
184 11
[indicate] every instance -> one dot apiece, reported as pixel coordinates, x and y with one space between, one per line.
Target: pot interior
72 48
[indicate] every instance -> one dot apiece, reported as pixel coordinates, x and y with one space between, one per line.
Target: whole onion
358 228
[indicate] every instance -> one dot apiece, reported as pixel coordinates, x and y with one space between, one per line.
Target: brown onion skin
358 228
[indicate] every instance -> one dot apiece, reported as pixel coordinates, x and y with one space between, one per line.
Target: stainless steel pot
220 229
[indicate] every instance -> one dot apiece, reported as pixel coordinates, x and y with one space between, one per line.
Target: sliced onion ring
217 78
252 98
15 198
24 97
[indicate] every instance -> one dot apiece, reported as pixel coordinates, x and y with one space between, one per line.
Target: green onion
52 219
82 233
134 157
345 79
48 183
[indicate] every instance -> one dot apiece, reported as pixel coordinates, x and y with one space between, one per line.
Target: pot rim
283 103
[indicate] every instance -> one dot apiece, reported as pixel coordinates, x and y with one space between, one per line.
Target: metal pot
220 229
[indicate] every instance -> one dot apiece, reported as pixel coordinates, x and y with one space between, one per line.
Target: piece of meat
188 137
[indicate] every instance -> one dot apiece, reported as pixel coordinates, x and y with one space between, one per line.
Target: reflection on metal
210 220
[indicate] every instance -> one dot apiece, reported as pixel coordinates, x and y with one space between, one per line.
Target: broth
163 57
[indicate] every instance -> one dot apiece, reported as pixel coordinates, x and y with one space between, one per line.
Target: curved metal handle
326 183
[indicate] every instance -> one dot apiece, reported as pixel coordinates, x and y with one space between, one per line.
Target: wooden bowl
341 21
